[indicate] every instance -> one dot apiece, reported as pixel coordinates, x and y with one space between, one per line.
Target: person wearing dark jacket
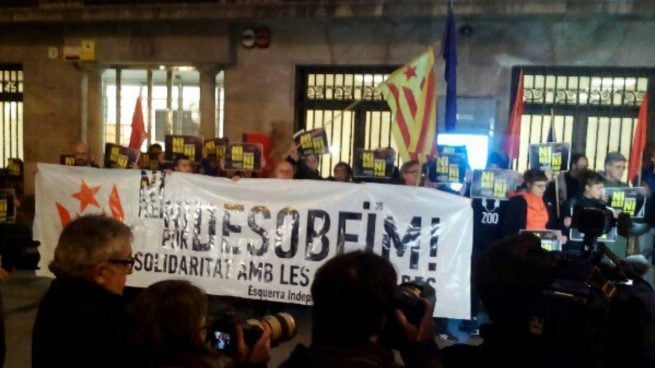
353 306
568 183
529 210
158 340
342 172
592 184
545 313
82 321
507 277
305 167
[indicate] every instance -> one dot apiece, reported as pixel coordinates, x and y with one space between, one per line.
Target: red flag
267 144
513 136
639 141
138 129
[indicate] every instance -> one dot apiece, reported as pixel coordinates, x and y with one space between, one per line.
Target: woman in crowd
171 328
342 172
410 173
528 210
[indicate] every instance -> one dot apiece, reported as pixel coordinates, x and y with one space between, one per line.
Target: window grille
11 112
324 93
593 108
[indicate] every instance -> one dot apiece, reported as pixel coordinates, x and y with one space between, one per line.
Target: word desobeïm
236 230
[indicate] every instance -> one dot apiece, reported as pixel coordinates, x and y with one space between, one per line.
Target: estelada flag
513 136
138 134
410 92
639 141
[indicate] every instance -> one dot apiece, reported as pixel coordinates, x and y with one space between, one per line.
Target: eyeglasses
128 262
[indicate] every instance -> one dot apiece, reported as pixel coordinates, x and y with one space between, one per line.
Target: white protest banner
264 238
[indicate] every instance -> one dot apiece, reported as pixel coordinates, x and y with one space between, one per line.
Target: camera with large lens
407 298
222 335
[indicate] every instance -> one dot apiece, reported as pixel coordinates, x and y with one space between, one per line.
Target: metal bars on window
322 95
11 112
593 108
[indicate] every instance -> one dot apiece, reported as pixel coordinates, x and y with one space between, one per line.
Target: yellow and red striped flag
410 92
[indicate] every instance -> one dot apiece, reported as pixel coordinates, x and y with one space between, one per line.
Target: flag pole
552 123
349 107
557 173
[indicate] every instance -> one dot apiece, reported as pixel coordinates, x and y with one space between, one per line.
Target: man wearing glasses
82 320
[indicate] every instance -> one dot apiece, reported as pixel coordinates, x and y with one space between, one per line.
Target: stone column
208 100
94 120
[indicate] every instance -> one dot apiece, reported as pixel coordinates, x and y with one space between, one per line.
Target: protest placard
495 184
313 142
373 163
550 156
120 157
243 156
189 145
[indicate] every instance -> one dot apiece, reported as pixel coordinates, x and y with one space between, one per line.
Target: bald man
283 170
82 155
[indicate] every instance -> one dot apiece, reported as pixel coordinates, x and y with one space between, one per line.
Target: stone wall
260 82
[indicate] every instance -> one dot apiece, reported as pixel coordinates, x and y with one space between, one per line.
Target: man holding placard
568 184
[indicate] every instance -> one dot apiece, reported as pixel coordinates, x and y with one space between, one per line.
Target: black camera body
407 298
592 222
575 320
222 335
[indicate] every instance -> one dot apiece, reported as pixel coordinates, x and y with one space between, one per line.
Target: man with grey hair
82 320
615 164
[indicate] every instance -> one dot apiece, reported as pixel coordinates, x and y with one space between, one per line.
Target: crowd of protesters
541 201
83 319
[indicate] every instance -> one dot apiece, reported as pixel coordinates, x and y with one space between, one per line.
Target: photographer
353 306
508 278
550 311
171 331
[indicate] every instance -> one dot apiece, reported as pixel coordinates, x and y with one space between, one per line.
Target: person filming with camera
171 330
353 314
545 312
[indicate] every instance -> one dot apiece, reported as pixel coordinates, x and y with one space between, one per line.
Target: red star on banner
410 72
86 195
